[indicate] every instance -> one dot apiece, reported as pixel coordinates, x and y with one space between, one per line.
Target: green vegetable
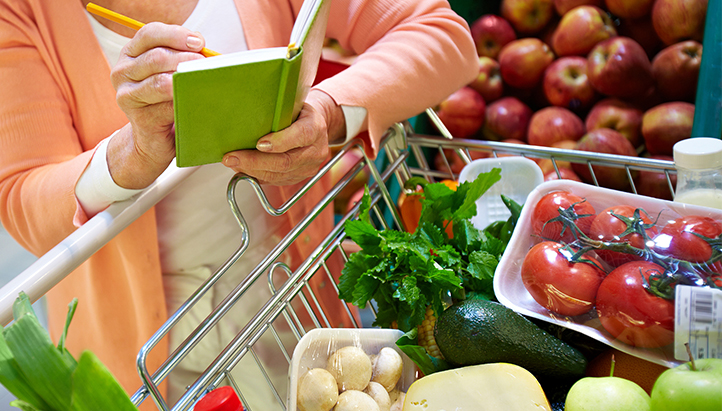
405 273
44 377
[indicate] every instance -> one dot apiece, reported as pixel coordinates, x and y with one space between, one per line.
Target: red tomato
550 206
607 227
632 314
556 283
678 239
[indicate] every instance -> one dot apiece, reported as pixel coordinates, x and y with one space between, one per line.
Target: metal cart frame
406 155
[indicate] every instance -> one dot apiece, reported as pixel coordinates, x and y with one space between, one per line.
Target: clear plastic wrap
316 351
672 251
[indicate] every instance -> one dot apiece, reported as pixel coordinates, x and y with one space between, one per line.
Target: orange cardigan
58 102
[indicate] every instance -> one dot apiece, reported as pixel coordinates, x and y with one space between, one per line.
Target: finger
156 60
155 34
305 131
155 89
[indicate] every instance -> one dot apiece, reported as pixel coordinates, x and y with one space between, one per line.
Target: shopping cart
292 308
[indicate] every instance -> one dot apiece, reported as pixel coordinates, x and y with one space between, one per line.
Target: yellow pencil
131 23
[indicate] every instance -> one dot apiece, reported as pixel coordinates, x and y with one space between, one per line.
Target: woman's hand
296 152
142 78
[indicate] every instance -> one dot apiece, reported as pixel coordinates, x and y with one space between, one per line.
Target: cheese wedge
492 387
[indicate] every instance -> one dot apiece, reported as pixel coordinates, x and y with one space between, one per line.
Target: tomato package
606 263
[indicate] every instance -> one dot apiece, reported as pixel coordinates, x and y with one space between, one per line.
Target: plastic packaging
662 241
220 399
699 171
316 350
519 176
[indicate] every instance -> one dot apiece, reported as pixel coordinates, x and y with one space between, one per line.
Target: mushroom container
315 348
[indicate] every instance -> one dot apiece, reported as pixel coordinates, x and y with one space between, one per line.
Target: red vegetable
610 224
632 314
559 284
679 238
556 213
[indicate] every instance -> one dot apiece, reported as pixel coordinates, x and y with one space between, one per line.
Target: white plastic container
519 176
699 171
510 289
313 350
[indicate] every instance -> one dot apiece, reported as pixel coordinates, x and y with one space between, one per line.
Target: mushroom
351 368
398 405
394 394
387 368
352 400
380 395
317 391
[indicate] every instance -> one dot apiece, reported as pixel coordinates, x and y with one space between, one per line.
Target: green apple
606 394
691 386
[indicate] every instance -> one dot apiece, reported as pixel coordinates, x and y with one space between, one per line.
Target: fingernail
231 161
264 145
194 42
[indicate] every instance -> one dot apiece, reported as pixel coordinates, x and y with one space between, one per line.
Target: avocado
476 331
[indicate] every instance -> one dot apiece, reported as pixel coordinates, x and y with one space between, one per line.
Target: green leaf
71 312
364 291
364 234
95 388
408 343
15 382
482 265
24 406
45 367
22 306
472 191
408 291
355 267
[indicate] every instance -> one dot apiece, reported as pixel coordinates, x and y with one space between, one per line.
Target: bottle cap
220 399
698 153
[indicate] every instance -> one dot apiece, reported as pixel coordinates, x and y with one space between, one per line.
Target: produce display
606 76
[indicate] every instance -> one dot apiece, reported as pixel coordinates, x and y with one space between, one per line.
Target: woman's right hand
142 78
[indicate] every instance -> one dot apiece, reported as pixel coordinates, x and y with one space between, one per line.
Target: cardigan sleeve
411 55
40 153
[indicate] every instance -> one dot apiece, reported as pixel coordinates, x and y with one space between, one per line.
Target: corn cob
426 334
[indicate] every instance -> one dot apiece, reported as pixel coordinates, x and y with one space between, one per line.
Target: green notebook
227 102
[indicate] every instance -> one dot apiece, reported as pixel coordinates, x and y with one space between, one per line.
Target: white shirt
191 230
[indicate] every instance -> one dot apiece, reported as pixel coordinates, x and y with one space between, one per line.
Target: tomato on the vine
632 314
559 284
609 224
555 214
679 238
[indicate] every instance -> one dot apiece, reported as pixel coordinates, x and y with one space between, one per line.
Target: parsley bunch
404 273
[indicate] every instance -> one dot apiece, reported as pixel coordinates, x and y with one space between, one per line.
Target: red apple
564 174
463 112
527 16
666 124
629 9
522 62
619 67
563 6
655 184
566 84
506 118
552 124
490 33
642 31
510 141
675 70
678 20
489 82
605 140
454 161
547 165
617 115
580 29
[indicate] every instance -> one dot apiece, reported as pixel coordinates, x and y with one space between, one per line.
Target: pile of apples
608 76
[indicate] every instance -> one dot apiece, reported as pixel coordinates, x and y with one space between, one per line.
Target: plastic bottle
220 399
699 171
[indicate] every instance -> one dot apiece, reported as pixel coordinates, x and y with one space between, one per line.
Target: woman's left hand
296 152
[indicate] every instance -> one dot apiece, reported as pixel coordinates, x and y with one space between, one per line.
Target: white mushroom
388 368
351 368
398 405
394 394
380 395
317 391
352 400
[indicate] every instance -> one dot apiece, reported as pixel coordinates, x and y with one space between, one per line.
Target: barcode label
698 321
